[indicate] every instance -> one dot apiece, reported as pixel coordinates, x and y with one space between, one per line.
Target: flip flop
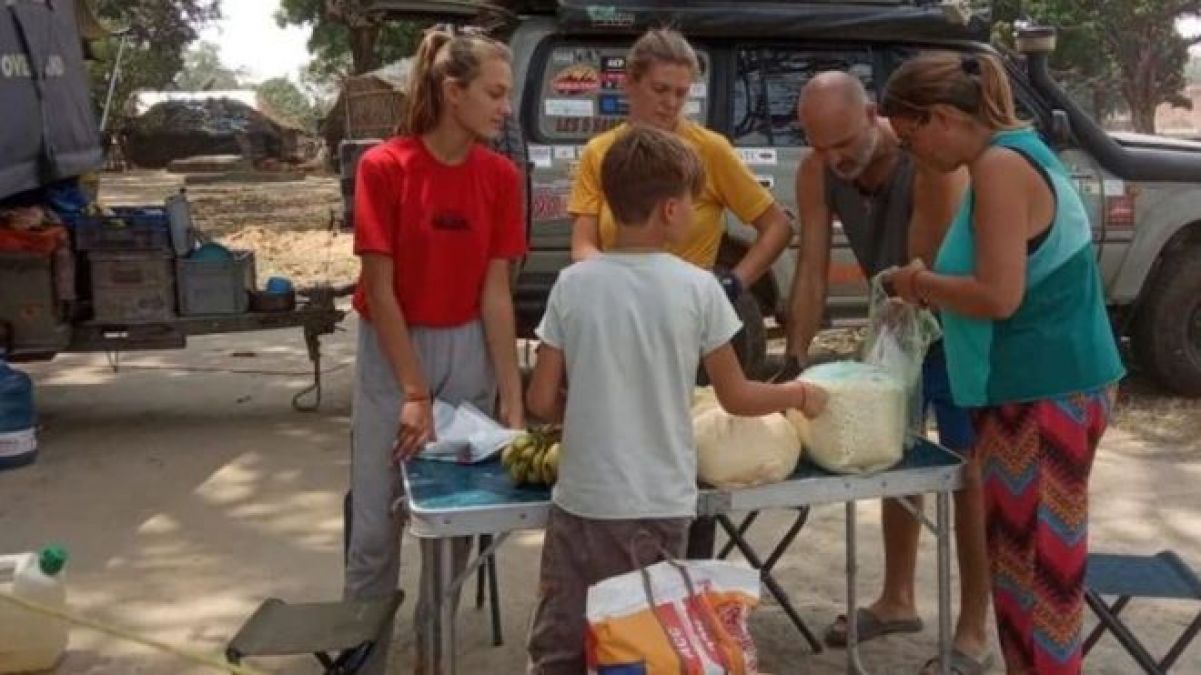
961 664
870 627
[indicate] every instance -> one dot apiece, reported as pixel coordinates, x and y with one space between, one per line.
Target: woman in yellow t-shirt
660 70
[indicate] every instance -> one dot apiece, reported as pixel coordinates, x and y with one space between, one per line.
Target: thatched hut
368 106
176 125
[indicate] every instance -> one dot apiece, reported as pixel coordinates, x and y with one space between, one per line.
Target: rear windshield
581 92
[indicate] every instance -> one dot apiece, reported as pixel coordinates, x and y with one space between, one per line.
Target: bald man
891 210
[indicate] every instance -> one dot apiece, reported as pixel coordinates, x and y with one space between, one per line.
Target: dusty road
187 489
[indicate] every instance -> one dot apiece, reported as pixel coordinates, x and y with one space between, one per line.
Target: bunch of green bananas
533 457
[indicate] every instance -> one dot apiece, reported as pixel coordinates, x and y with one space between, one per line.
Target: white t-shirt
633 328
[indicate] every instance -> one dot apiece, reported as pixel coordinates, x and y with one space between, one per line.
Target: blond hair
644 167
661 45
445 53
974 83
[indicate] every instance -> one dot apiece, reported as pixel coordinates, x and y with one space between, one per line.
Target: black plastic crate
128 229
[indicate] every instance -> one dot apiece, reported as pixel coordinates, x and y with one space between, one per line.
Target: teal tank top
1059 341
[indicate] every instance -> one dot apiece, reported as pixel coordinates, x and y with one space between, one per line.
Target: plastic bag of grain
898 336
865 423
739 452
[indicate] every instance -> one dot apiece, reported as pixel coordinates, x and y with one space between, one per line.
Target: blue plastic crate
143 216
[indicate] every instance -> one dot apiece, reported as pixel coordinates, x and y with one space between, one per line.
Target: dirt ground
187 491
287 224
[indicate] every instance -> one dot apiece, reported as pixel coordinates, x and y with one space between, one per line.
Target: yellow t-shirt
728 184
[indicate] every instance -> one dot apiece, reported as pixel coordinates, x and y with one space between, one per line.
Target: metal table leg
438 650
854 661
312 340
943 532
439 636
765 572
446 609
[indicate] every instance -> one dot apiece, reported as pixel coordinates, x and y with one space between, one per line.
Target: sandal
961 664
869 627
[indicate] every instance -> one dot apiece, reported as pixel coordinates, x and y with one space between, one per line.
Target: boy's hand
810 399
730 283
815 400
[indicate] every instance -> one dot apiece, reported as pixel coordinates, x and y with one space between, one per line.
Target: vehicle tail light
1119 209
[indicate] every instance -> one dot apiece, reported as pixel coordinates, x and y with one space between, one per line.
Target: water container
16 400
18 448
179 219
30 641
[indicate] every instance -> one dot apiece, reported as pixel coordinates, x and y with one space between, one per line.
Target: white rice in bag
863 426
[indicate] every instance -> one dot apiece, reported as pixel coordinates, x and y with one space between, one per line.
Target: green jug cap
52 559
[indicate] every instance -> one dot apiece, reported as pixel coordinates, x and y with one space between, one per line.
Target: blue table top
437 486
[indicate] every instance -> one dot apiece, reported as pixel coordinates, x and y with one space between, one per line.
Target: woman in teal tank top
1027 337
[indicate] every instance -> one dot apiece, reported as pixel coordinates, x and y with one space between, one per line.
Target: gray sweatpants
457 367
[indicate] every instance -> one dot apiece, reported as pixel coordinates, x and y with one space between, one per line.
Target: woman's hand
416 429
904 281
512 413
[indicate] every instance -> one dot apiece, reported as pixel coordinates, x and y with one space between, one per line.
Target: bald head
831 92
839 122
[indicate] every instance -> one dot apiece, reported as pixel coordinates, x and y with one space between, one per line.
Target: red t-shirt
440 224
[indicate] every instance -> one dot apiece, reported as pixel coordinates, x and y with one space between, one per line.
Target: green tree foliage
346 40
204 71
1124 53
159 32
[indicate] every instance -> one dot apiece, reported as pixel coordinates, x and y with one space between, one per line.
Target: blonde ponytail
997 109
424 96
443 54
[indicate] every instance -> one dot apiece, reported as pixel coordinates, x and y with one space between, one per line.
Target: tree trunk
362 49
1142 114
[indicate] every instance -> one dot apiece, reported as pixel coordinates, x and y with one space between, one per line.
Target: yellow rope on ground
122 634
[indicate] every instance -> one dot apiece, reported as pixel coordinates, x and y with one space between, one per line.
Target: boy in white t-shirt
627 329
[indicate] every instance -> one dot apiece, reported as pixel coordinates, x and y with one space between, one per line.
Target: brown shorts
577 553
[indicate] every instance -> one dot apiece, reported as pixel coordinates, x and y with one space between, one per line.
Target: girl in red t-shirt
438 219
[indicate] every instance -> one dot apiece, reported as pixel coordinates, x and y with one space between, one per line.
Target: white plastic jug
29 641
179 219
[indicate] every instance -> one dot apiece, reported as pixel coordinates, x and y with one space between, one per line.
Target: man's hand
730 283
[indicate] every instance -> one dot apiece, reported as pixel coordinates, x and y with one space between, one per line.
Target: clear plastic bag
465 435
898 336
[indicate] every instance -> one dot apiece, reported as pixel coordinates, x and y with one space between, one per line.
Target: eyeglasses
906 127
